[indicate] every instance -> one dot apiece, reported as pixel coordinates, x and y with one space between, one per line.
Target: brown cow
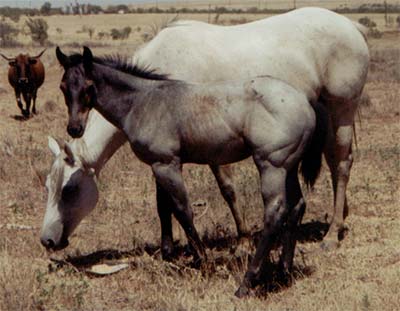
26 75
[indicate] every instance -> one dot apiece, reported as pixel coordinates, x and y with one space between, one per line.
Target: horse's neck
100 141
120 93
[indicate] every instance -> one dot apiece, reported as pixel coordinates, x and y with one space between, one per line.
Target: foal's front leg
165 205
169 177
273 191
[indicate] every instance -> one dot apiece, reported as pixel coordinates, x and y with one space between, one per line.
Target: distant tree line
77 8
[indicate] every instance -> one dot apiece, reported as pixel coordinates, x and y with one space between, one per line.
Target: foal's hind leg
297 207
338 153
169 177
164 208
273 191
223 175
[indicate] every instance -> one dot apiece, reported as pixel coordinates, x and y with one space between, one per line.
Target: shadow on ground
19 118
222 248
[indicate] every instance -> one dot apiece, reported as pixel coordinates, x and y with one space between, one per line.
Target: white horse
321 53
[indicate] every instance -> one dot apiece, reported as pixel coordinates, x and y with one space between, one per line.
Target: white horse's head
72 195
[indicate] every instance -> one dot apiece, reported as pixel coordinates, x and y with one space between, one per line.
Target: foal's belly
214 151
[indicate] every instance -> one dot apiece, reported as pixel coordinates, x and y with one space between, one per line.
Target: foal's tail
312 157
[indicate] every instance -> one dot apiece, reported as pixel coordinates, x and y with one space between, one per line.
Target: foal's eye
69 193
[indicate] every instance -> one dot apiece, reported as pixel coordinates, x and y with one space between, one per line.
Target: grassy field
363 274
73 30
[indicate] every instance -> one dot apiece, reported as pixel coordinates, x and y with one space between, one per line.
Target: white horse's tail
312 158
364 30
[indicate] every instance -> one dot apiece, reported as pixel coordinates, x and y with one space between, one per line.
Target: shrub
38 30
373 31
366 21
121 34
88 30
102 35
7 35
238 21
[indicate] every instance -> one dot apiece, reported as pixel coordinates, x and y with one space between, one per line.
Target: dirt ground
363 274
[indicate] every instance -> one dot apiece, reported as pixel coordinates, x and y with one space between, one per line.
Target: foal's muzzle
75 131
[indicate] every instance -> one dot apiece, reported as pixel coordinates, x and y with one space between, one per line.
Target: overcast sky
62 3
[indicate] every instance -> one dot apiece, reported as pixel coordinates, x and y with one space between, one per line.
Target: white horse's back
310 48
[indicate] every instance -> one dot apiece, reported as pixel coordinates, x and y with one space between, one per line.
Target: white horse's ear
70 155
54 146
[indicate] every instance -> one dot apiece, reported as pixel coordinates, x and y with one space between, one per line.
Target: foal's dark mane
123 64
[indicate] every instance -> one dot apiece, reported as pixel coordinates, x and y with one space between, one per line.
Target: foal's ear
87 59
62 58
54 146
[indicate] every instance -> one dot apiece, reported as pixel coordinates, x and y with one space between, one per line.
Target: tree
46 8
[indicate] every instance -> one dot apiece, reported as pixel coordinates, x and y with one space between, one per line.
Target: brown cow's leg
19 102
27 98
34 102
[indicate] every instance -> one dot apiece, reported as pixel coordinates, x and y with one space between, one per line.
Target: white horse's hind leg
338 154
223 175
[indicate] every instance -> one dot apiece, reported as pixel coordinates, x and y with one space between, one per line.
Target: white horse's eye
69 193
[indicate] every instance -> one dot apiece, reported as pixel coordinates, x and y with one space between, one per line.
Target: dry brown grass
69 30
362 275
